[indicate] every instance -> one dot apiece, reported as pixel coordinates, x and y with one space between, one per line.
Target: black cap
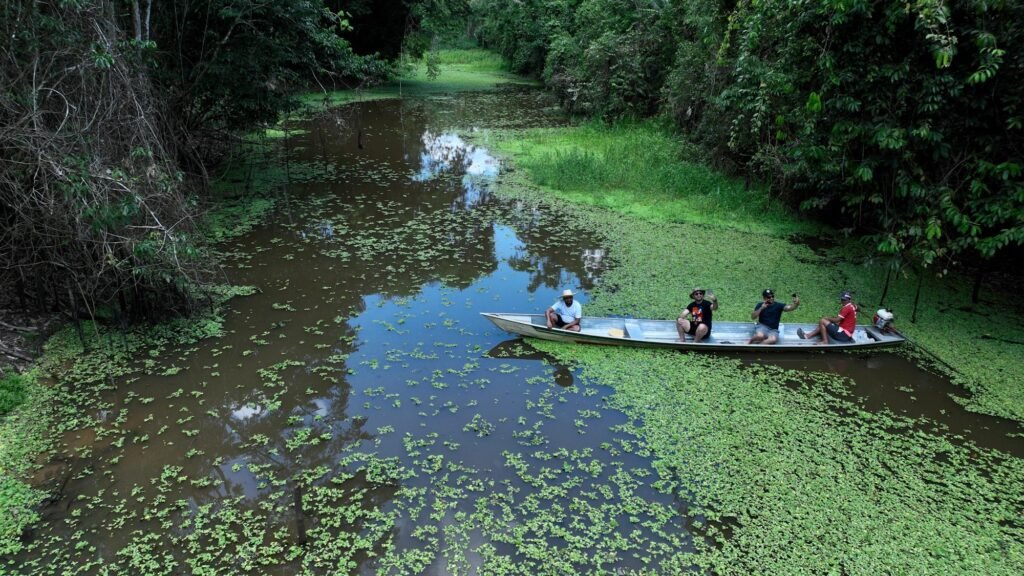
767 292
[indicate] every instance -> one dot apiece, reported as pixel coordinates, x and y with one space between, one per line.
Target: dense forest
898 121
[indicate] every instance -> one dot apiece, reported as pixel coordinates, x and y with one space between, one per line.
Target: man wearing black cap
768 314
837 328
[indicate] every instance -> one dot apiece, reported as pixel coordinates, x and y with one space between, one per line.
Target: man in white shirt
565 313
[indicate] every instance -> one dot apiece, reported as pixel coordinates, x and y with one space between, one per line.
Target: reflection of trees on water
449 153
554 251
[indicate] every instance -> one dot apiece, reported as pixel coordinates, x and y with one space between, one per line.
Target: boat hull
645 333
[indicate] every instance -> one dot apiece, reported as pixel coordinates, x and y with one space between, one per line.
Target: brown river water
365 336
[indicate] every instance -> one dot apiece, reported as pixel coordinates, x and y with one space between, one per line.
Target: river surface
361 383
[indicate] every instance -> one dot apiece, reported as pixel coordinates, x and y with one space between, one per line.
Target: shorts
559 323
693 329
834 333
768 332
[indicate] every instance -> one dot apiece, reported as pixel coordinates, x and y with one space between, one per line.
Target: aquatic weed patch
800 480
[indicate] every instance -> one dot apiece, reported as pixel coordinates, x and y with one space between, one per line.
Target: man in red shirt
836 328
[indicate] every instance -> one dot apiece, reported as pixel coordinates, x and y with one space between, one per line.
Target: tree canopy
111 113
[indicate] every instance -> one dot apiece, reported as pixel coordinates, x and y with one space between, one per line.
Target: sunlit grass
477 58
643 171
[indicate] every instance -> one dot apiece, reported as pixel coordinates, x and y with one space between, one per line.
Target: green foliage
237 63
12 392
16 502
24 432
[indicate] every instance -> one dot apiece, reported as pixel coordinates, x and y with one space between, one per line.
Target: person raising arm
768 314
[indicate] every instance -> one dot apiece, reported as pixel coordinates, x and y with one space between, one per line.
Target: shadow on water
519 349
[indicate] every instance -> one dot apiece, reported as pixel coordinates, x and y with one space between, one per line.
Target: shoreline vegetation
801 479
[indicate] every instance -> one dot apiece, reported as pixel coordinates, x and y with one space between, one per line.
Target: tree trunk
146 20
979 278
885 288
74 317
137 20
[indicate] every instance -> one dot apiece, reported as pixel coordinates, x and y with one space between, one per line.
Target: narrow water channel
358 415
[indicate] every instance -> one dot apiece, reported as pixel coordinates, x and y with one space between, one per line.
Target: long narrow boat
662 334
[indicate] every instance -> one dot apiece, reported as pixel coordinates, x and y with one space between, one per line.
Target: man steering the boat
768 314
838 328
565 313
695 320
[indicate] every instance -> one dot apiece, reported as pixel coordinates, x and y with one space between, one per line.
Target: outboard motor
883 319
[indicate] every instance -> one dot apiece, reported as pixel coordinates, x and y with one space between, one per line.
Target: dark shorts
559 323
693 329
834 333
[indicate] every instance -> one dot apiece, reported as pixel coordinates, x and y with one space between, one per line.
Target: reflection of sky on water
447 152
479 162
245 412
324 230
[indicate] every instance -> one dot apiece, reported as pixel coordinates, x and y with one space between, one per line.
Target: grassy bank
673 224
642 171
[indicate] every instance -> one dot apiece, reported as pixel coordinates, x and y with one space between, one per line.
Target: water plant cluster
793 472
794 476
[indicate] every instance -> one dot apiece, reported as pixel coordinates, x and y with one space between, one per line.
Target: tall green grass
642 170
476 58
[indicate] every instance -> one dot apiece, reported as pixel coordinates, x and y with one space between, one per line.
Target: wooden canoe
662 334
